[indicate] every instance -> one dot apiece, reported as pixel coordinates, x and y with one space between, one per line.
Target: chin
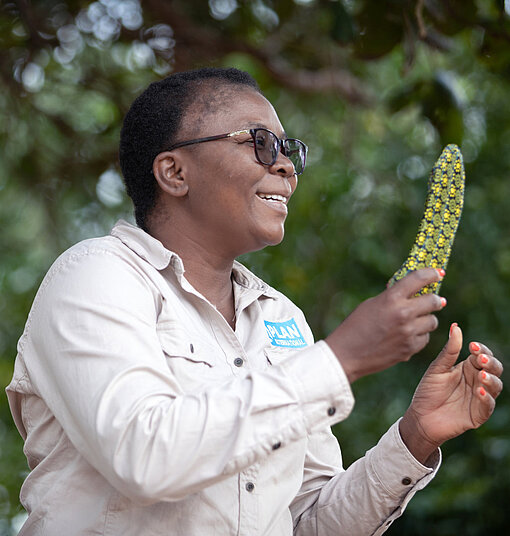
268 241
262 236
275 239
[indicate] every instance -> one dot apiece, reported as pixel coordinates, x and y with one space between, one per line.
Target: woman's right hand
388 328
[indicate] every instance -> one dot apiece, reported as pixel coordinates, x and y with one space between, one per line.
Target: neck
208 271
210 277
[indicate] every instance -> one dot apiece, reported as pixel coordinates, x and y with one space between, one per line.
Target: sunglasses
266 145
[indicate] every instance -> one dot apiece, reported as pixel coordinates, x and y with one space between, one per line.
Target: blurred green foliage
376 89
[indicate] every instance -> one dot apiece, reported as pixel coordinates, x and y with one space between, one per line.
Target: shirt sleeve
93 355
364 499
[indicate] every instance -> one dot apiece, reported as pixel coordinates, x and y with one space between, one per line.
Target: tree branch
199 44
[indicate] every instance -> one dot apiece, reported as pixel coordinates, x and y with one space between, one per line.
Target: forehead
230 109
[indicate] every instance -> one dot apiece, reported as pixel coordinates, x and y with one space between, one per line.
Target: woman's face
231 198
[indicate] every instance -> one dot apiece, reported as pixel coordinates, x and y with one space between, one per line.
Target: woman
162 388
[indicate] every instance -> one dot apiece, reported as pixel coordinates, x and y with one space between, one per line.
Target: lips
274 197
276 202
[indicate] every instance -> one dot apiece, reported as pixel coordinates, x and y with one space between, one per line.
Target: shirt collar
248 280
146 246
154 252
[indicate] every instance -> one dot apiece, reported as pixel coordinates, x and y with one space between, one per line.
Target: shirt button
406 481
250 486
331 411
276 446
238 361
191 348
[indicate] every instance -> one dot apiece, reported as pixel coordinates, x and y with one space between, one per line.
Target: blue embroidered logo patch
285 334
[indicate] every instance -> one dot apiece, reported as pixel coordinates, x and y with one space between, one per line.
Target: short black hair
152 123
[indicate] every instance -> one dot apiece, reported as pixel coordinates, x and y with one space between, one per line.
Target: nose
283 167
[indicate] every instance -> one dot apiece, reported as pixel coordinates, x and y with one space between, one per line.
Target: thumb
450 353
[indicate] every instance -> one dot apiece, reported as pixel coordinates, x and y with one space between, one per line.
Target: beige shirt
144 413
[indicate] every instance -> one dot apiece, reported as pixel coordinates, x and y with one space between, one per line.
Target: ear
169 174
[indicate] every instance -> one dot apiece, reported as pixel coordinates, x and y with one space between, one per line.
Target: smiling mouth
273 197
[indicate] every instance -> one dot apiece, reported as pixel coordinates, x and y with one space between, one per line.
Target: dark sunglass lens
266 146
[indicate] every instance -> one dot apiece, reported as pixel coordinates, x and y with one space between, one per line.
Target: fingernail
452 327
441 272
484 359
474 347
484 375
443 302
482 391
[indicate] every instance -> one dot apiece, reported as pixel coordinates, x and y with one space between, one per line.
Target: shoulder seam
57 267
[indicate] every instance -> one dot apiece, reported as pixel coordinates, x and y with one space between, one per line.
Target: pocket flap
177 343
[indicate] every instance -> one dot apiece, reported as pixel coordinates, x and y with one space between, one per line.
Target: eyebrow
261 125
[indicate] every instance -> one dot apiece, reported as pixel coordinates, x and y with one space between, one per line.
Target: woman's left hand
451 398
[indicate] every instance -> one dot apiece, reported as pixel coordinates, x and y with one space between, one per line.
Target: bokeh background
375 88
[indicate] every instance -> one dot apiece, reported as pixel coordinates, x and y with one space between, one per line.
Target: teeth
274 197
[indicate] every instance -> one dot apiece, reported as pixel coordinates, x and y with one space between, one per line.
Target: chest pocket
195 363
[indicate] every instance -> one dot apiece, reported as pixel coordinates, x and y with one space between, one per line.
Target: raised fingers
489 383
485 407
419 342
425 324
481 357
415 281
428 303
479 348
